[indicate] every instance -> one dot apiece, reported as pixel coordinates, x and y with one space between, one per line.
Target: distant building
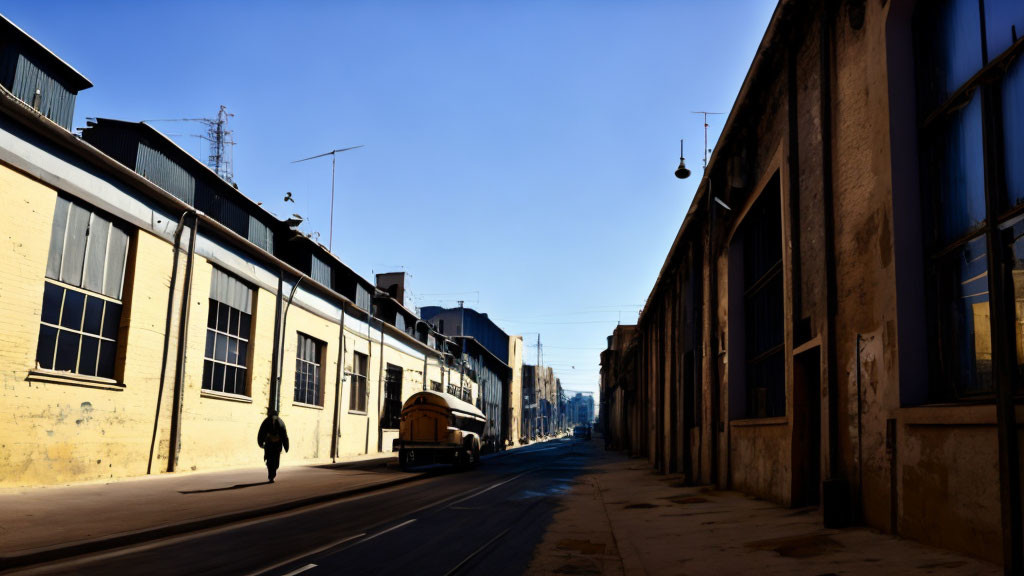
580 410
488 349
541 411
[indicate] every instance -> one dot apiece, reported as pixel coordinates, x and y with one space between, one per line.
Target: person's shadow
235 487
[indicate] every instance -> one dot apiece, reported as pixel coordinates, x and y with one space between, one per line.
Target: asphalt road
484 521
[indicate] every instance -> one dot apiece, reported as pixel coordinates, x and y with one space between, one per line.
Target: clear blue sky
518 155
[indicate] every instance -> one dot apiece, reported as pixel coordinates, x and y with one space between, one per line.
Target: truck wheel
406 459
470 454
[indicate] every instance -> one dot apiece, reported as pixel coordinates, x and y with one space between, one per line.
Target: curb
53 553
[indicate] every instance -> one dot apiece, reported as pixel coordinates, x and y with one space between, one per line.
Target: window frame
744 326
358 392
391 403
107 342
316 365
244 362
985 84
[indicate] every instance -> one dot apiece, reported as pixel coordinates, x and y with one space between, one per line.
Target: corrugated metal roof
165 173
77 81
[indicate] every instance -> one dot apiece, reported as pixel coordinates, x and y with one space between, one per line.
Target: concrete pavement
47 523
622 518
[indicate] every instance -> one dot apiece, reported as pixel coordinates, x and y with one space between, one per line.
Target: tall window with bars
392 397
308 370
81 312
970 95
228 327
763 305
357 398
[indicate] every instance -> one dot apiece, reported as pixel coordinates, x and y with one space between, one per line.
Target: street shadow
235 487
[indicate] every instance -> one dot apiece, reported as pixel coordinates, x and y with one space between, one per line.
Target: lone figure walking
272 437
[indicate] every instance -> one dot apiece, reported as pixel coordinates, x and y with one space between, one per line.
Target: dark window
435 386
228 328
392 397
453 389
970 89
762 306
308 369
357 400
81 311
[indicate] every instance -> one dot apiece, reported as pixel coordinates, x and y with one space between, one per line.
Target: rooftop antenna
333 155
221 156
706 149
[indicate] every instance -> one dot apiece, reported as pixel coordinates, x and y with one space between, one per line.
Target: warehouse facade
152 314
838 320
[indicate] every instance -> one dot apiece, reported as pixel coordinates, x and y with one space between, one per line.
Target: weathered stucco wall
761 459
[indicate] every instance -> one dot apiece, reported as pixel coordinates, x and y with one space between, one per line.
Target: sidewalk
41 524
622 518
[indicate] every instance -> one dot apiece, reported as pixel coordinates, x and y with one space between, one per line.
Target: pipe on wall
338 387
167 339
380 391
280 348
179 375
276 353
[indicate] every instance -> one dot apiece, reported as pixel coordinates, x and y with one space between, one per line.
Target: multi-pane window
392 397
453 389
81 310
970 88
762 306
308 370
357 400
228 325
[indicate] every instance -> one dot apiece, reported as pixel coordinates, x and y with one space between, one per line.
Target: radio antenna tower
219 138
221 158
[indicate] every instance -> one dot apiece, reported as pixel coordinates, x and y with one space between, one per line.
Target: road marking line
301 570
308 554
382 532
488 489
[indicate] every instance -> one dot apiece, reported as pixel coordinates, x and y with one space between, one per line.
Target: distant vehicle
581 431
439 428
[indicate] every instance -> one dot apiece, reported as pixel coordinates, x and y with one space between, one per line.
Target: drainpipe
276 353
179 375
167 339
860 434
280 347
337 389
369 359
425 370
380 392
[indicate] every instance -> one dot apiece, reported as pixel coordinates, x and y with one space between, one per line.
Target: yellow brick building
101 280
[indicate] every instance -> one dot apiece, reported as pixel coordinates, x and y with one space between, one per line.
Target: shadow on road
235 487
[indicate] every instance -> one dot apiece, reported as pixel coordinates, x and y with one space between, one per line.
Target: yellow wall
54 432
515 402
62 428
